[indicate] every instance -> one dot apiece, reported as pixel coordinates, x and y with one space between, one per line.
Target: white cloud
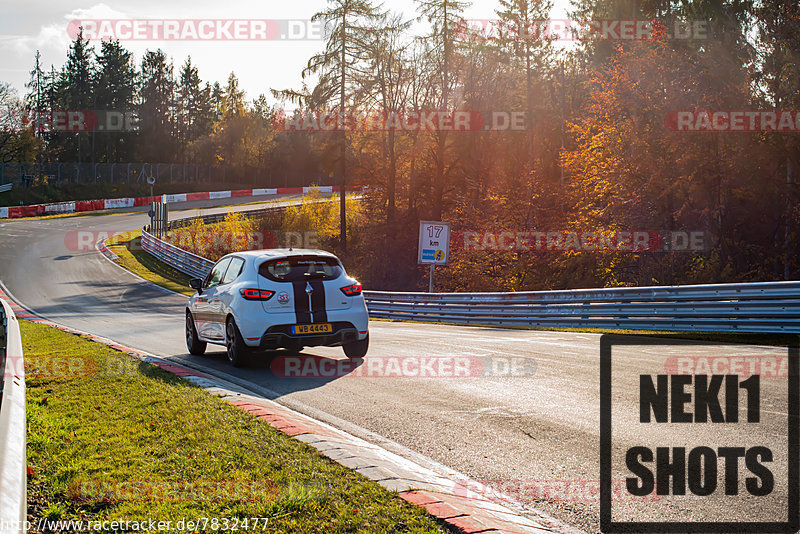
42 25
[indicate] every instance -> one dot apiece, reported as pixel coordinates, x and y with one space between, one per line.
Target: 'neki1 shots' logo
714 445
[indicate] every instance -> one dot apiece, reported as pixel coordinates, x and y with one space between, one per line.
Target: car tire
238 353
357 349
193 343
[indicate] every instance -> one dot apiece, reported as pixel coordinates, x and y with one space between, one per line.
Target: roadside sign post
151 180
434 246
160 218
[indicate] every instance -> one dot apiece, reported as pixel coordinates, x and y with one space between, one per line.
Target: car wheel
193 343
357 349
237 351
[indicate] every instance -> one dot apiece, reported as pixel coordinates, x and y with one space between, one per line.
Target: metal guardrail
251 214
13 428
3 342
745 307
6 187
219 217
183 260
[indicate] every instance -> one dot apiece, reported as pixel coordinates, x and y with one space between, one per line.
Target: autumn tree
385 86
16 144
779 77
348 24
443 16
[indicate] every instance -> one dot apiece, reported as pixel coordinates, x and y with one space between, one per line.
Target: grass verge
128 248
112 438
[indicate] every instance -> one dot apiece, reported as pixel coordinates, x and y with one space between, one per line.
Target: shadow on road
279 372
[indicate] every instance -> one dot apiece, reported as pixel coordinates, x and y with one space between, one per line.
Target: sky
260 65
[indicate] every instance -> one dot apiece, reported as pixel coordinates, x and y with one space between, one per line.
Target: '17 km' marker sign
434 243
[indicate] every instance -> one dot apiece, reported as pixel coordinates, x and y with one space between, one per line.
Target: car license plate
320 328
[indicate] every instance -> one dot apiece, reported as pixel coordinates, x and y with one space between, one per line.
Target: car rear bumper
270 330
280 336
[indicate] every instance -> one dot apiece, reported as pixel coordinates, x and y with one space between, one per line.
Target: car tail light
352 290
256 294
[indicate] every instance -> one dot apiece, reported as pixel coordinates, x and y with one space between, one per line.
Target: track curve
543 426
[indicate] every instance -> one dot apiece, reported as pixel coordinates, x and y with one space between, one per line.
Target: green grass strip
113 438
131 256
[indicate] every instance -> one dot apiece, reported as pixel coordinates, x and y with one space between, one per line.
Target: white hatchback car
278 298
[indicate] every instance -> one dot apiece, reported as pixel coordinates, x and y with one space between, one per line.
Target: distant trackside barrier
37 210
192 264
185 261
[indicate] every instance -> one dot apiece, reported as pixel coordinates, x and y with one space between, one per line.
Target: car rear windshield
299 268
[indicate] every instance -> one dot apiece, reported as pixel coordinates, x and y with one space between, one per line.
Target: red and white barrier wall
13 212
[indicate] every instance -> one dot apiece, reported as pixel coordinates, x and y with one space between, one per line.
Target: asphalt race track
531 431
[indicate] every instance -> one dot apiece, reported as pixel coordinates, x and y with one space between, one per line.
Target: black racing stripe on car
318 305
301 310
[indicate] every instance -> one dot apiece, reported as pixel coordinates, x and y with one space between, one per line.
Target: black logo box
607 341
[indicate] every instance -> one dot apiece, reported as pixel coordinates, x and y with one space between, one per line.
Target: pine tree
348 23
77 75
74 92
115 92
519 20
232 99
444 16
36 98
386 84
193 116
232 129
156 108
215 102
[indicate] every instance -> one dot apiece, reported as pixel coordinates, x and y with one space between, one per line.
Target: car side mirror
196 283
